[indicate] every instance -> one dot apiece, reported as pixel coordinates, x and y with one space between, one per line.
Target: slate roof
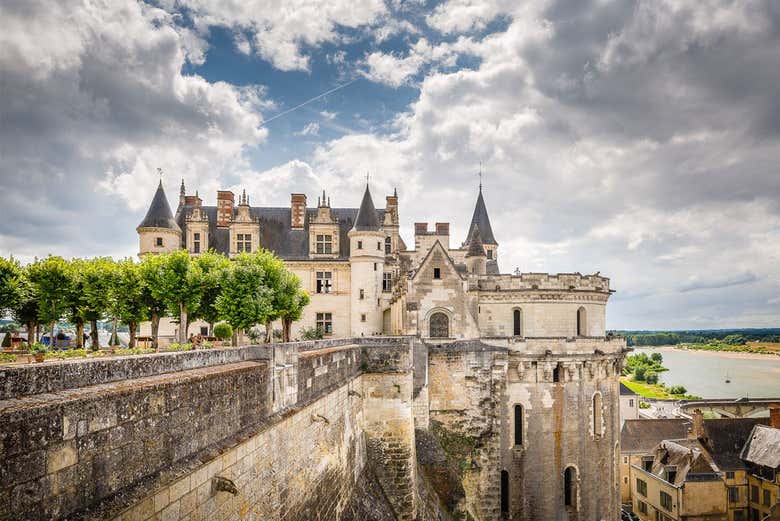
475 247
689 458
276 233
725 437
481 220
763 447
643 435
625 391
159 214
367 218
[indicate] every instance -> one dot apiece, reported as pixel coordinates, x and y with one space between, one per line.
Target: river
704 373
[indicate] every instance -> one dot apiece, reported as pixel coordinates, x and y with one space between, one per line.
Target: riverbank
715 352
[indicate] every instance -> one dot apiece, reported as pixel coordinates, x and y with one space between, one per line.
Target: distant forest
700 336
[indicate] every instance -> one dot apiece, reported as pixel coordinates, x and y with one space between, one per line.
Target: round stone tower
367 260
158 232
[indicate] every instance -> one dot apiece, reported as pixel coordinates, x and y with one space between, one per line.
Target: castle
519 364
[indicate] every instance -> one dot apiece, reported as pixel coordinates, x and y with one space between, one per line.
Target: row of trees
253 289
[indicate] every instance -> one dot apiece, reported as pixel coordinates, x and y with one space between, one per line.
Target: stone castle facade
519 365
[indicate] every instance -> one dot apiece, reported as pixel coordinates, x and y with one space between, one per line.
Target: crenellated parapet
541 281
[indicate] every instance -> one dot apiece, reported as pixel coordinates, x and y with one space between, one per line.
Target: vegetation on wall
254 290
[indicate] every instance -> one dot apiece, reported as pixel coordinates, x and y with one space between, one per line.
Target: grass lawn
654 391
749 347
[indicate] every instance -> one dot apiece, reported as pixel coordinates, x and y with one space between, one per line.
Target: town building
629 404
720 469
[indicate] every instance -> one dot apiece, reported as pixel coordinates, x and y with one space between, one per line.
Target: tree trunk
155 329
38 328
182 324
51 334
79 334
131 342
31 327
269 333
286 326
234 340
211 328
94 335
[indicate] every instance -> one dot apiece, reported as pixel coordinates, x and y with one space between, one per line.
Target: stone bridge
730 408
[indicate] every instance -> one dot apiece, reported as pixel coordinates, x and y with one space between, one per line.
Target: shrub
68 353
677 389
7 357
134 351
644 405
223 331
178 347
639 373
651 377
657 357
206 345
38 348
7 340
312 333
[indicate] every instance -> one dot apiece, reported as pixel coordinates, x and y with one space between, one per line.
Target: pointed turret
366 219
481 220
159 214
475 245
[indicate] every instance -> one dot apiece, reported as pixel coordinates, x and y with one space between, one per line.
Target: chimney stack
774 416
298 211
420 228
391 208
697 427
442 228
225 201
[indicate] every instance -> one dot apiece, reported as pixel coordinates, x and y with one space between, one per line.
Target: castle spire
159 214
366 219
182 192
481 220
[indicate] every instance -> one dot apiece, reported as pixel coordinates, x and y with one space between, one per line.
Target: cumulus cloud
726 281
310 129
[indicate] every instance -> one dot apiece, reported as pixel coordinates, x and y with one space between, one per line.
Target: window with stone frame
324 281
767 498
436 273
196 242
439 325
754 493
244 242
324 322
642 507
733 494
489 254
323 243
159 241
641 487
387 282
362 294
388 246
666 500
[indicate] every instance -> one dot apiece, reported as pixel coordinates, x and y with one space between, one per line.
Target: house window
518 424
517 323
666 501
324 281
581 319
597 415
439 325
767 498
570 487
625 459
362 294
641 487
729 474
739 515
363 317
204 330
360 245
388 245
642 507
324 243
647 463
436 273
556 373
671 473
630 402
196 242
489 254
244 242
379 245
625 480
387 282
504 491
733 494
375 266
159 241
754 493
324 323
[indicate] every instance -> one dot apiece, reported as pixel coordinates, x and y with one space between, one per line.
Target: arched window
518 424
517 322
439 325
597 413
570 487
581 322
388 245
504 491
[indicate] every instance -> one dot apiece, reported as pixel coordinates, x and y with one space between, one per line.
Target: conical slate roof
481 220
366 219
159 214
475 246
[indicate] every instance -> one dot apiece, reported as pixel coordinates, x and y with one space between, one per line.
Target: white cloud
311 129
328 115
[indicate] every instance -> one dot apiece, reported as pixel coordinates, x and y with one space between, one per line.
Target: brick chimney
225 202
442 228
391 208
697 427
298 211
774 416
420 228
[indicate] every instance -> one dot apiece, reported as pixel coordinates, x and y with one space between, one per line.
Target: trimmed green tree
155 305
129 304
290 299
212 265
11 285
98 278
180 285
245 300
51 279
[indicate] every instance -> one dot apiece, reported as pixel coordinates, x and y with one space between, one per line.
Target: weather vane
480 176
159 172
367 177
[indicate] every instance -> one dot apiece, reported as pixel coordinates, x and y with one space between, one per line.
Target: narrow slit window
518 424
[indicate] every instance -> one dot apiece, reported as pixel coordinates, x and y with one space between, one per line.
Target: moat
703 373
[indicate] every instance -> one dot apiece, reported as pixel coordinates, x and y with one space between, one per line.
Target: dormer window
159 242
244 242
436 273
196 242
360 245
489 254
388 246
324 244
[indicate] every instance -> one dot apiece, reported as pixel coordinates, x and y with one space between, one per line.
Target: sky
638 139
